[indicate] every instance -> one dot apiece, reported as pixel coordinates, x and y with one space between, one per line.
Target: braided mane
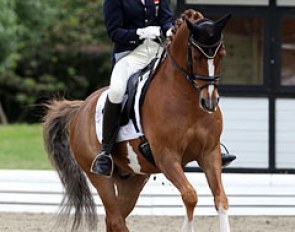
189 14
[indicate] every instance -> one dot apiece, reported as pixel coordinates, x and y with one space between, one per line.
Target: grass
21 147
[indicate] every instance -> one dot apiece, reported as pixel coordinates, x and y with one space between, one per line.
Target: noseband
190 75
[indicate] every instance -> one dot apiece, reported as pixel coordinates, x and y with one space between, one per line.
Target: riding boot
103 162
226 157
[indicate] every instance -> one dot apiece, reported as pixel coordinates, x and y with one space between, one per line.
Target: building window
229 2
285 3
243 64
288 52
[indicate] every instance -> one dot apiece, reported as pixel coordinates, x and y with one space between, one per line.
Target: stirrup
226 157
103 165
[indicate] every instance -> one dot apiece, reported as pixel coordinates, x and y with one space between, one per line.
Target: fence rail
248 194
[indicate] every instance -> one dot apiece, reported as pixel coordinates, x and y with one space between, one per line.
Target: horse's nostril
217 100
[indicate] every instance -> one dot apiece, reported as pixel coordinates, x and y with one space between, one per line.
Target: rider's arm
165 16
113 16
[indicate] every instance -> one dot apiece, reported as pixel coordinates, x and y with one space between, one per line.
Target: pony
181 120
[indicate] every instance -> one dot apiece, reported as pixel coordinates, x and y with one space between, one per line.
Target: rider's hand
150 32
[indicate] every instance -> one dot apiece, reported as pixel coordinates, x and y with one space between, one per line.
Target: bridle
189 74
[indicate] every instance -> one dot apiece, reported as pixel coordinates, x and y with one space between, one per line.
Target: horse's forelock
189 14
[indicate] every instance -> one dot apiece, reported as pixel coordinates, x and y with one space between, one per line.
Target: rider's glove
150 32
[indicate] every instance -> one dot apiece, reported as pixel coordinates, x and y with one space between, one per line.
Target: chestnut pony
181 120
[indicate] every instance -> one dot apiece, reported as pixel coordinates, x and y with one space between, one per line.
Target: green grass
21 147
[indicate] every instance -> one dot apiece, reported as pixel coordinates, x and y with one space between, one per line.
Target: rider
133 26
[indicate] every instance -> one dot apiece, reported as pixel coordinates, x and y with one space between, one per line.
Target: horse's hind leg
115 222
128 192
211 165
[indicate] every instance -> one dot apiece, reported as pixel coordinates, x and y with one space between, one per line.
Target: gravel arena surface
29 222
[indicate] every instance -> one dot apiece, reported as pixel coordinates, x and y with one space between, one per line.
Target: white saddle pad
128 131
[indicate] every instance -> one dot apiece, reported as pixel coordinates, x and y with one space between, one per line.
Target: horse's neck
170 93
178 90
178 48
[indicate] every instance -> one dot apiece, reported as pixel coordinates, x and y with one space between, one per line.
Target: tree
61 49
8 40
8 31
3 118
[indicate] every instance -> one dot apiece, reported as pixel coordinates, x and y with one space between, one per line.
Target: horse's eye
222 53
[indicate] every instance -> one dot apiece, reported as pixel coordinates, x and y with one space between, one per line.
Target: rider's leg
103 163
137 59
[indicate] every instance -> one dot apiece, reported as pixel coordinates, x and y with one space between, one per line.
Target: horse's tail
77 194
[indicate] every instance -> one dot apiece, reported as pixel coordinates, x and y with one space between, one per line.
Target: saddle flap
146 75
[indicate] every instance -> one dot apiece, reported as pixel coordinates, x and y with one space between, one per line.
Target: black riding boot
226 157
103 162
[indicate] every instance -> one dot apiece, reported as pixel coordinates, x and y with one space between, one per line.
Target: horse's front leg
172 169
211 165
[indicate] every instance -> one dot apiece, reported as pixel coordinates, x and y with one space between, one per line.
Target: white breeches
128 65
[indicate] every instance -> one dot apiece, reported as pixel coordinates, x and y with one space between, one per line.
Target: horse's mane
189 14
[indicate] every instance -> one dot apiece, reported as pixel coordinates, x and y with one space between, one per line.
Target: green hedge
21 147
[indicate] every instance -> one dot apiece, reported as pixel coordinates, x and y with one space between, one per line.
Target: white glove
150 32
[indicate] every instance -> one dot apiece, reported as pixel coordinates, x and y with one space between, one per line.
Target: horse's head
203 41
205 50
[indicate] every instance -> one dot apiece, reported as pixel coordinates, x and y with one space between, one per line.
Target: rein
190 75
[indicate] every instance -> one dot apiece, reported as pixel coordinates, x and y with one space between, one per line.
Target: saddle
128 109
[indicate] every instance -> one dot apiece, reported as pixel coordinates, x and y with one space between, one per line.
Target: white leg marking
187 225
132 156
223 220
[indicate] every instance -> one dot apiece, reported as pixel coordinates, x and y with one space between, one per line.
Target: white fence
249 194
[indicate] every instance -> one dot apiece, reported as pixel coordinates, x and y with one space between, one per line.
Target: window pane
288 52
285 133
229 2
285 3
243 63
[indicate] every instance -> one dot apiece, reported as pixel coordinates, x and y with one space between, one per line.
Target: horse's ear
221 23
189 25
